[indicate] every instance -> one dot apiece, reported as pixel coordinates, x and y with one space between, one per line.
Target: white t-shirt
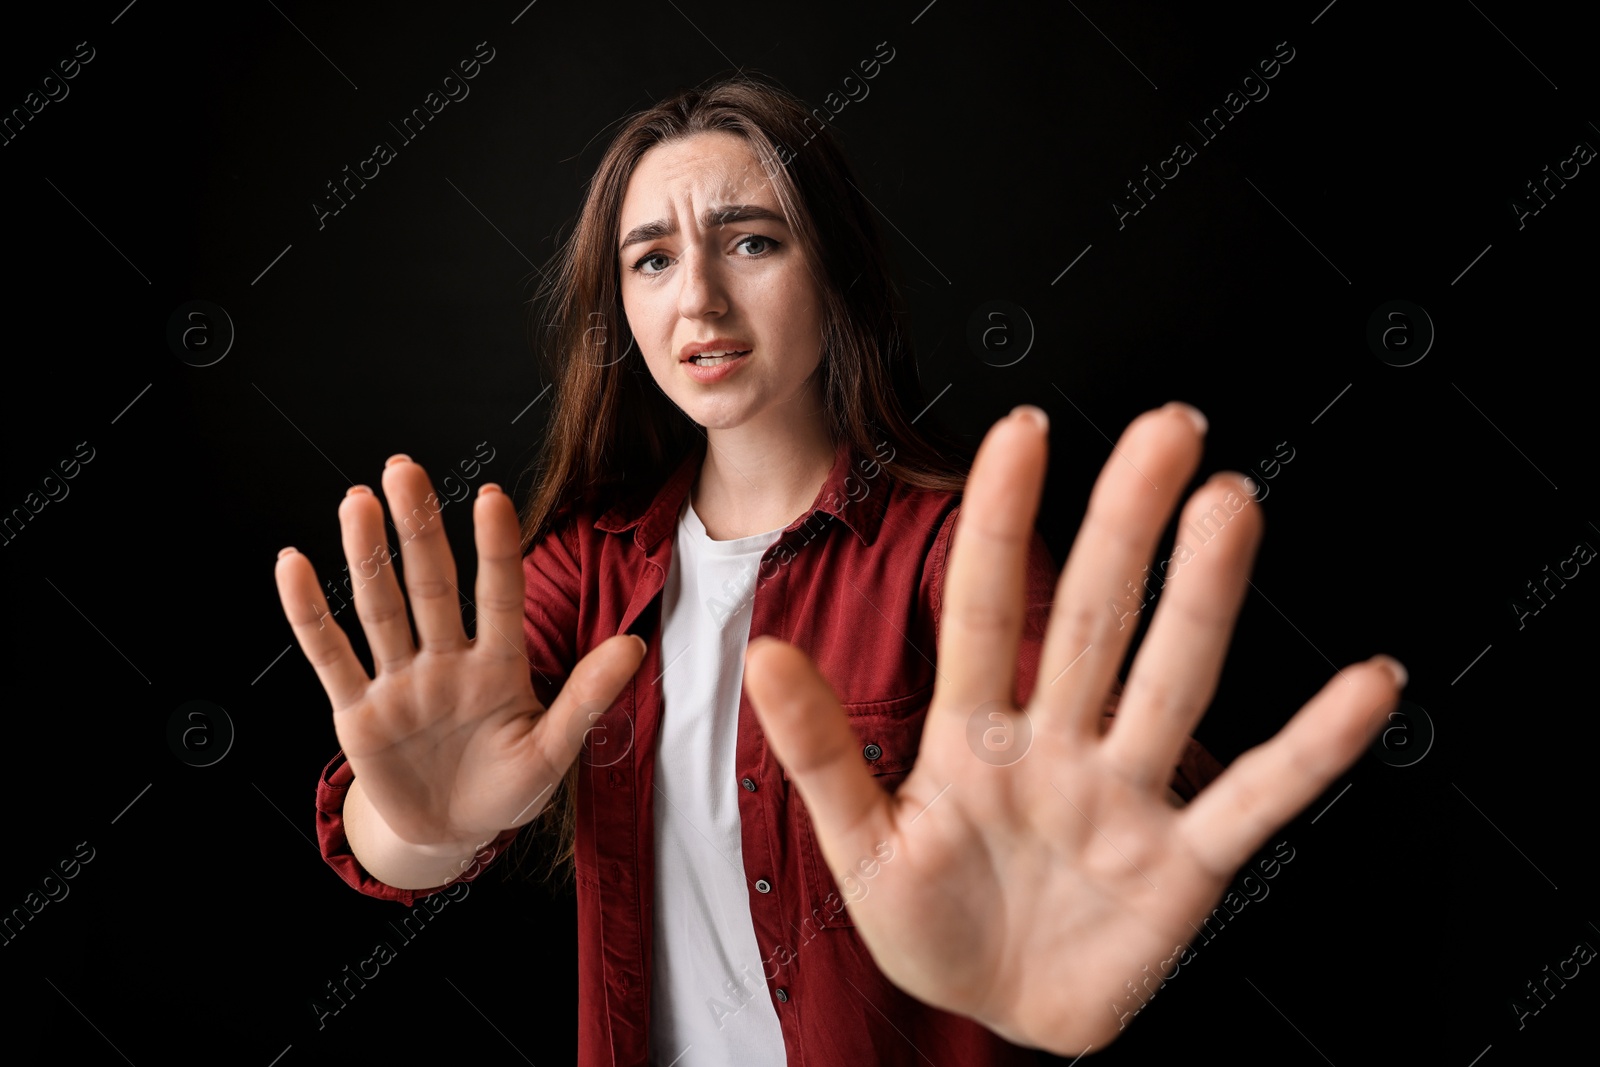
709 1001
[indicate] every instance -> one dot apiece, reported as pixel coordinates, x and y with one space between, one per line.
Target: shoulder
911 521
933 509
556 557
562 538
1040 570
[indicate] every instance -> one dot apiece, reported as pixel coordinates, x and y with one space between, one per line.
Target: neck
760 477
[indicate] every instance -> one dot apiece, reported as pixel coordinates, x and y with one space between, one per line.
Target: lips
718 345
707 369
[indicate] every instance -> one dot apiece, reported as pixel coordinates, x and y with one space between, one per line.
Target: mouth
716 359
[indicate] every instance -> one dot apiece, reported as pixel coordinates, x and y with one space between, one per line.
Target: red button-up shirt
857 583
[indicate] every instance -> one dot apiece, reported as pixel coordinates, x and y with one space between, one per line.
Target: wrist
392 859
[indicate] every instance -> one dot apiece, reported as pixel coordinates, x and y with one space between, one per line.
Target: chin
718 423
716 416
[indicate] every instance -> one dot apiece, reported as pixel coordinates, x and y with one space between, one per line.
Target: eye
758 238
765 247
637 268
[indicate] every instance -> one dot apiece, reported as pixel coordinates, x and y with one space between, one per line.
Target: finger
430 570
813 741
321 639
379 605
1273 782
980 626
589 692
1102 589
499 588
1174 674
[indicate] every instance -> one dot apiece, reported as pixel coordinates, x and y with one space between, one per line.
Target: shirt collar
855 499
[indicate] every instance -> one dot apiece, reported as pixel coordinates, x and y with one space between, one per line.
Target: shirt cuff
332 787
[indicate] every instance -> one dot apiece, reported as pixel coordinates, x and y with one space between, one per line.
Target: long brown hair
610 421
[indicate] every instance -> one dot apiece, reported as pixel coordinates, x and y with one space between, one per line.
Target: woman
762 878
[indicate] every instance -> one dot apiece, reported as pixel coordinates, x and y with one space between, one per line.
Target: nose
703 289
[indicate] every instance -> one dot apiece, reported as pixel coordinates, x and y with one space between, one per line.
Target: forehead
713 166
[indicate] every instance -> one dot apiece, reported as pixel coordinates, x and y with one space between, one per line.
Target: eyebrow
719 215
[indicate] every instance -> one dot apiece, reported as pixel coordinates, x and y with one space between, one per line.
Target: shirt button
872 752
763 886
783 995
749 784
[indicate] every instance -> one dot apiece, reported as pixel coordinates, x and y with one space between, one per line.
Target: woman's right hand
448 741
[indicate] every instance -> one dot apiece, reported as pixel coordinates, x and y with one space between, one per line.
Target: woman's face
706 256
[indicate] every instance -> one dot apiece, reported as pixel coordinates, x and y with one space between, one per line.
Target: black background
1419 502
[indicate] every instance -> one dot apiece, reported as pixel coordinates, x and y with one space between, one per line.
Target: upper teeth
716 355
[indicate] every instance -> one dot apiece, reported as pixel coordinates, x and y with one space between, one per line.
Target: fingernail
488 487
1239 478
643 647
1396 668
357 489
1199 420
1040 419
291 550
398 457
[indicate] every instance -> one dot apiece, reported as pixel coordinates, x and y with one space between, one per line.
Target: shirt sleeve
331 790
551 594
1196 767
550 631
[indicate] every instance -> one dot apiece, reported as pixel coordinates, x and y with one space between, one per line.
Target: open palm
1028 893
447 738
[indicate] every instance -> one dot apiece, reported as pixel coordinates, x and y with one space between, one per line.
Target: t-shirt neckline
690 521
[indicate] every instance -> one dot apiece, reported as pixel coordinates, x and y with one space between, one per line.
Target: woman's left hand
1029 895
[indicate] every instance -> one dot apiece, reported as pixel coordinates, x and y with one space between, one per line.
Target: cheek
809 327
649 331
661 370
636 317
801 309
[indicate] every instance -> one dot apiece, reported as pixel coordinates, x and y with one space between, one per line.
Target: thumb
812 739
588 694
